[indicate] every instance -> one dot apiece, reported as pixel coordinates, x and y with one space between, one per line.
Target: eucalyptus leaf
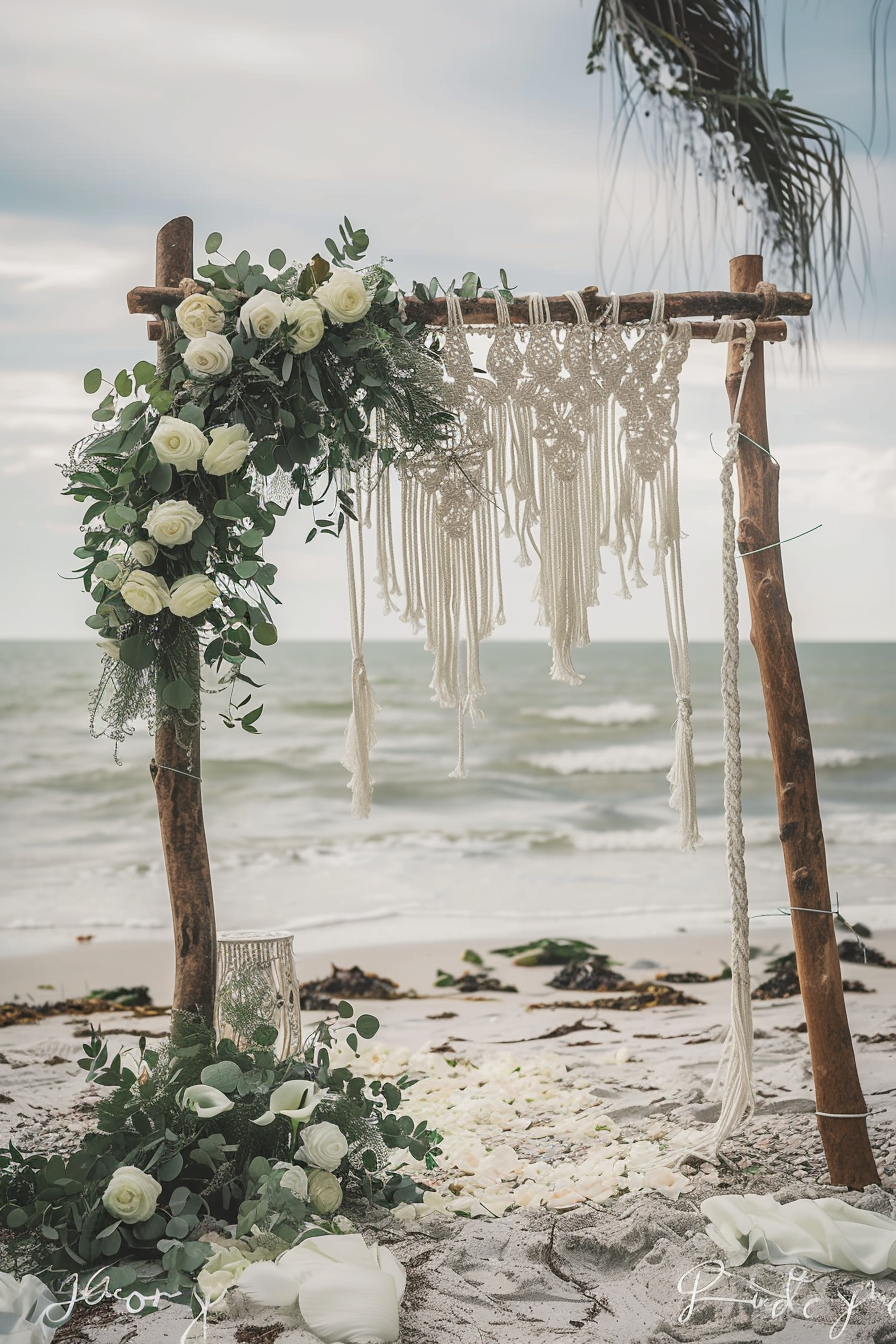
178 694
225 1075
264 633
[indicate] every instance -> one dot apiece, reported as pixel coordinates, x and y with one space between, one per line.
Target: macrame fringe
571 437
359 735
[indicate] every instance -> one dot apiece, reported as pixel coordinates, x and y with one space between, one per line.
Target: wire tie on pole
771 546
847 1115
174 770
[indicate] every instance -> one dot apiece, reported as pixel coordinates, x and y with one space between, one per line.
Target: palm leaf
702 62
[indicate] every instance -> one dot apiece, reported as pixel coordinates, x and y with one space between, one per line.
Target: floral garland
207 1158
268 385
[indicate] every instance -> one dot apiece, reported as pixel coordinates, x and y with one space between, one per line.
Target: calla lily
206 1101
296 1101
348 1292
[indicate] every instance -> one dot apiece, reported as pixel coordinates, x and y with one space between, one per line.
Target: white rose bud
172 522
179 442
209 354
144 592
324 1191
143 552
293 1179
228 449
122 565
324 1145
131 1195
309 324
110 647
344 296
262 314
192 594
199 314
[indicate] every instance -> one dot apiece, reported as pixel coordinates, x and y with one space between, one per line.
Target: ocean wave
648 757
347 917
618 713
839 758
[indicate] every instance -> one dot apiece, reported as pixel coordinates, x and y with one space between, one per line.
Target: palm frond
702 62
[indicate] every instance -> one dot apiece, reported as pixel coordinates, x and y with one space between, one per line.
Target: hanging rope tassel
360 736
736 1062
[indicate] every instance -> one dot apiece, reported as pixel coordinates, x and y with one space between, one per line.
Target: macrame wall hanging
566 443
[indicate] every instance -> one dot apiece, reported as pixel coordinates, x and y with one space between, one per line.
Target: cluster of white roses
323 1145
344 298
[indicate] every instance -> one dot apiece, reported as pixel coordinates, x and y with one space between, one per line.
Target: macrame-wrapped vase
257 984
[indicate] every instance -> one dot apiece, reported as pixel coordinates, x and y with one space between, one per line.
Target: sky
462 137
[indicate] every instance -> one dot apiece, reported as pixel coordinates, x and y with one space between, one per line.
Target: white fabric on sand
818 1233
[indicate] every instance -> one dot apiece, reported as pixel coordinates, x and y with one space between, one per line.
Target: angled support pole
840 1105
175 771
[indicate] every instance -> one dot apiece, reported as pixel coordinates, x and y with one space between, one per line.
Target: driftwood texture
837 1087
175 773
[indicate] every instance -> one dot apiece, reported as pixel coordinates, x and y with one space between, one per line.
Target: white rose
308 319
228 449
344 296
199 314
192 594
110 647
262 314
294 1180
122 565
143 552
324 1145
179 442
324 1191
145 593
209 354
213 1285
131 1195
172 522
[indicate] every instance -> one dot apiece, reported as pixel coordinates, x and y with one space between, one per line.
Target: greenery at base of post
205 1153
273 383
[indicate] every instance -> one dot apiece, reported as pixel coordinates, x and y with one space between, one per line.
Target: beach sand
595 1273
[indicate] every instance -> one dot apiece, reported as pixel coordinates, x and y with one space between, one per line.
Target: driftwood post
175 769
838 1092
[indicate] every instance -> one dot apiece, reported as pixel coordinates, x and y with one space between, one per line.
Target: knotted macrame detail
567 443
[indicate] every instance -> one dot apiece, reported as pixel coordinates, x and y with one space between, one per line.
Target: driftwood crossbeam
840 1104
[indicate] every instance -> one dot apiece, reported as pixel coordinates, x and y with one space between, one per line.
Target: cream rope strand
736 1062
359 735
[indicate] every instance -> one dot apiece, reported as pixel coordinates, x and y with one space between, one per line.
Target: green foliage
368 391
551 952
221 1168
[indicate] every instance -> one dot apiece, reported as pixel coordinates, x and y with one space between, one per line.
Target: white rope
359 735
736 1063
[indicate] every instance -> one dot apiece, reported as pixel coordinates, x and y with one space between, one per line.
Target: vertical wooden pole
175 771
838 1092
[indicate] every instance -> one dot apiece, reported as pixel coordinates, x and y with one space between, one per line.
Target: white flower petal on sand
494 1111
267 1285
348 1292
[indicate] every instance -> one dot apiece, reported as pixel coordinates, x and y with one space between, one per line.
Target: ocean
562 827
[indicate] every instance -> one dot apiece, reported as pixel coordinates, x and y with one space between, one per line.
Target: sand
596 1273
